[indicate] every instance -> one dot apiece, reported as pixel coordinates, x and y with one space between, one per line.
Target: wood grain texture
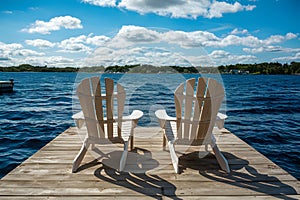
47 174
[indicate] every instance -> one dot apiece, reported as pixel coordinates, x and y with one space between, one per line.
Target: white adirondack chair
196 116
103 127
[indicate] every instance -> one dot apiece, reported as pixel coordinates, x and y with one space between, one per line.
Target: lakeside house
238 71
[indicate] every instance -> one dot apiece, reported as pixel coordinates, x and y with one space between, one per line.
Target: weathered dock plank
47 174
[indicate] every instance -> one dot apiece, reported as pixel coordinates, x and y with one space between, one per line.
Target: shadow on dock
248 177
137 180
146 184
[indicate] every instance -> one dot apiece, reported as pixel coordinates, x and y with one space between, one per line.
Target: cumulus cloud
26 53
131 45
74 44
279 38
136 55
176 8
6 50
54 24
50 61
295 57
97 40
221 57
16 54
131 35
190 39
10 47
80 43
217 8
40 43
141 45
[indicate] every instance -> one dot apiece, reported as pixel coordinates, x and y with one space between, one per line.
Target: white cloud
74 44
176 8
10 47
221 57
16 54
217 9
190 39
6 50
40 43
136 55
103 3
131 35
7 12
231 40
26 53
50 61
34 8
296 57
237 32
271 49
97 40
54 24
81 43
141 45
279 38
173 8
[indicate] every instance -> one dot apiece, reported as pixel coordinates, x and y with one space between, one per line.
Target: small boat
7 86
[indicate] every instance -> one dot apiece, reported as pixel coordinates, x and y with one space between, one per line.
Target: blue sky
171 32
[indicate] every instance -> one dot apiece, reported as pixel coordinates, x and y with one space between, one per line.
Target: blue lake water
263 110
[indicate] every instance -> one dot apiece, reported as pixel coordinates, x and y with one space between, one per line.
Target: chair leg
131 143
164 142
124 156
80 156
174 157
220 158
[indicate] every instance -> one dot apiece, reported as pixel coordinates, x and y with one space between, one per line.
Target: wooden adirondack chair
195 118
103 127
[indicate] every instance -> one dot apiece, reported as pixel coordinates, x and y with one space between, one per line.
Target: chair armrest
162 117
136 114
134 117
78 115
79 119
220 120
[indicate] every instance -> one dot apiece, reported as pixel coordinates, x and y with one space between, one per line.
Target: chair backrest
196 111
98 108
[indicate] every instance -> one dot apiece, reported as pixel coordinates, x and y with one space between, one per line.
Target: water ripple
263 110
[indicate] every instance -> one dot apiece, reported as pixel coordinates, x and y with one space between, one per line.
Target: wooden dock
47 174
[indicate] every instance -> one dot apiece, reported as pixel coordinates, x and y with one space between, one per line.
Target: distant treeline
30 68
150 69
261 68
264 68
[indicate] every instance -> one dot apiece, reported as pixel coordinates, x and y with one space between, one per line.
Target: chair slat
200 92
200 112
109 84
104 128
178 99
86 101
205 115
188 106
121 101
216 92
96 89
